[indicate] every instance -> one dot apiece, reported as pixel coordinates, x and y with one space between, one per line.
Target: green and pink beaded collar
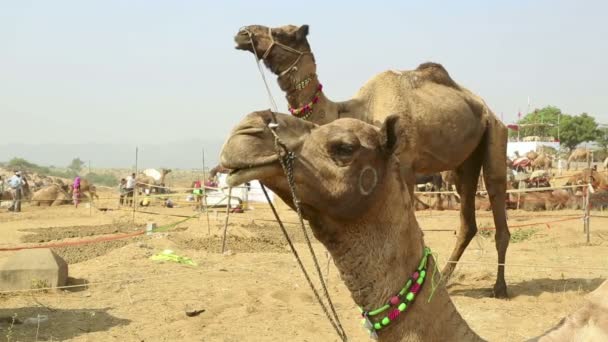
399 302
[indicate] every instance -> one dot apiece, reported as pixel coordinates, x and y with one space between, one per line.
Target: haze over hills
186 154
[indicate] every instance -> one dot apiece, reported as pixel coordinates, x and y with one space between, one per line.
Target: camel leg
467 176
495 177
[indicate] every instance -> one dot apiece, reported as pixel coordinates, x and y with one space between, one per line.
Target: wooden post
226 222
204 202
90 199
134 197
586 219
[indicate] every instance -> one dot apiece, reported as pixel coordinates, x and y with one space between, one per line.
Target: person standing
16 185
130 187
122 189
197 191
76 191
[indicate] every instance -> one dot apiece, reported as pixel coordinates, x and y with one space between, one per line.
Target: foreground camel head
257 39
353 194
339 166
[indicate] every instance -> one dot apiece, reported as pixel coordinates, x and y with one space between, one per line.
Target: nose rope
287 163
286 159
257 58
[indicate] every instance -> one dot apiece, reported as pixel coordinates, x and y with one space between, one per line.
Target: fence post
587 211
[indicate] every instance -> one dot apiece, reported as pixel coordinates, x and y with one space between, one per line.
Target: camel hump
436 73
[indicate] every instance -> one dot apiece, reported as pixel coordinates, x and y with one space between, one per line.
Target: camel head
274 45
339 169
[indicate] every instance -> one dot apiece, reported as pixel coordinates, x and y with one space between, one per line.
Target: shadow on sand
533 287
61 324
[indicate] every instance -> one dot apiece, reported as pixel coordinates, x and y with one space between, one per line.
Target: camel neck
301 87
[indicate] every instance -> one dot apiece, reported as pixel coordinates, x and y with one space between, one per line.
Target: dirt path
256 293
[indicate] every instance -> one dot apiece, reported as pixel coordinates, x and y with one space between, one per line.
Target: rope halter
274 43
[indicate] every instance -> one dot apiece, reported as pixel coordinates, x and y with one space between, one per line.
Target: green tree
549 115
76 165
21 164
602 138
577 129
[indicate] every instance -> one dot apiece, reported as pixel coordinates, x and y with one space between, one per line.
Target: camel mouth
242 42
244 175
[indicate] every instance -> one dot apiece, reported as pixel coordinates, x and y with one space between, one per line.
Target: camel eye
342 153
344 150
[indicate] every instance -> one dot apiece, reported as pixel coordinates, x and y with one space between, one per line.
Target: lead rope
289 156
286 161
257 63
297 256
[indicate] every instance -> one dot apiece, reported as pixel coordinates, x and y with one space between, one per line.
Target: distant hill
182 154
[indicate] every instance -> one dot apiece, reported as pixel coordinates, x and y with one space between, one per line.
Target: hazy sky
161 71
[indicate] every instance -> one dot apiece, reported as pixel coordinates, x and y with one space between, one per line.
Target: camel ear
389 133
302 32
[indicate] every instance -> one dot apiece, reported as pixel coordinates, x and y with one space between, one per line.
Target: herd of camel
44 191
355 170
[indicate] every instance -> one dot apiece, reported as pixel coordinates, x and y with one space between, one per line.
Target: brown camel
150 183
51 195
448 127
542 162
351 188
589 176
580 155
532 155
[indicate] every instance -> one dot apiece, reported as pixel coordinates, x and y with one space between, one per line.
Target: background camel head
339 170
278 59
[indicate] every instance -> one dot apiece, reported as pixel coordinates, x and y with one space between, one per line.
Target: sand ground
257 293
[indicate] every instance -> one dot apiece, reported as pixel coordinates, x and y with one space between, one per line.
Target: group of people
126 188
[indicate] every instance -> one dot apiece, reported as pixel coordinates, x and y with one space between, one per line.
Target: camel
542 162
588 176
451 128
51 195
351 188
578 155
152 180
532 155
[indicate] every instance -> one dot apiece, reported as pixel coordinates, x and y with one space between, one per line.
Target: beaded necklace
304 83
305 111
399 302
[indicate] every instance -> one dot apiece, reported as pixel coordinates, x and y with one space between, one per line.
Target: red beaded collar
305 111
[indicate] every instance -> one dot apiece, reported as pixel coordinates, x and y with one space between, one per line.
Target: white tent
251 193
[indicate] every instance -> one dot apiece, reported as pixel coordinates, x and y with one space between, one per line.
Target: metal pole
90 199
227 216
134 197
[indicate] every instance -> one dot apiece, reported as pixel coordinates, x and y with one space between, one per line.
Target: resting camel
350 184
51 195
578 155
447 126
589 176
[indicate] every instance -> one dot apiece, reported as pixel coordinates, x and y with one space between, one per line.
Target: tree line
72 170
573 129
